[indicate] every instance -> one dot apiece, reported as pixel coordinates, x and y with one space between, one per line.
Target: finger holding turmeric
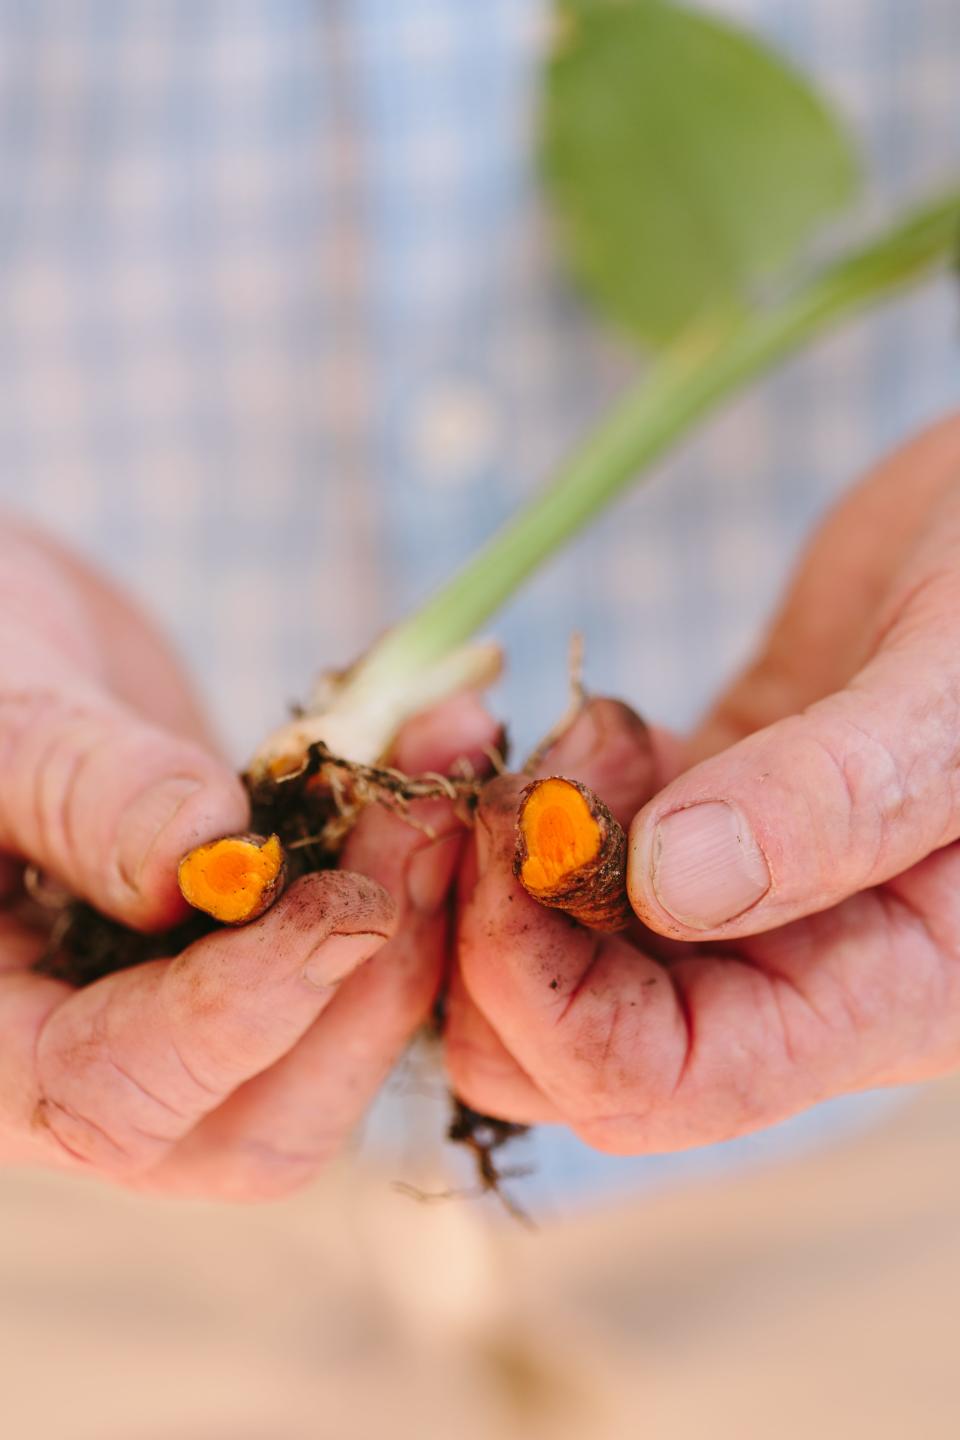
93 791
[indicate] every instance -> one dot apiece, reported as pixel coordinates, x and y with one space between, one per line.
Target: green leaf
677 391
687 161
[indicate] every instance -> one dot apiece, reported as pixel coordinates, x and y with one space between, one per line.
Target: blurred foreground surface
816 1298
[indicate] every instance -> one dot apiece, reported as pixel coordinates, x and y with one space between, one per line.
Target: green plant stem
682 387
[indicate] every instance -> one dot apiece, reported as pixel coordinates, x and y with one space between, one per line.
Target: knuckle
82 1139
599 1030
258 1170
90 1102
595 1051
911 606
871 792
68 765
43 744
898 777
623 1053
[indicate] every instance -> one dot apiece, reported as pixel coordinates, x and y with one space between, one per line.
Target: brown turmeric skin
234 879
572 854
307 807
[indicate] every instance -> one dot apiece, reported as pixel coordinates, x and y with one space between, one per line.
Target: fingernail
338 956
143 822
707 866
430 873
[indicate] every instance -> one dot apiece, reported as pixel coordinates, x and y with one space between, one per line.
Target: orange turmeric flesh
234 879
560 832
571 853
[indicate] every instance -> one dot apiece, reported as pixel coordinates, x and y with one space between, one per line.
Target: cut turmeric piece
234 879
571 853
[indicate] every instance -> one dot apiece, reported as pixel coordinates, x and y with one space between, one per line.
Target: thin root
483 1136
314 808
497 759
578 699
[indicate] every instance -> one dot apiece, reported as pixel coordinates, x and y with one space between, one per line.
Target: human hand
238 1067
798 889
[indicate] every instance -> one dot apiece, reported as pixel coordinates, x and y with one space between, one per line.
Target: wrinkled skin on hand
237 1068
820 957
800 943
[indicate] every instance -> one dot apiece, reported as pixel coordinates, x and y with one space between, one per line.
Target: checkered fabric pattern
282 335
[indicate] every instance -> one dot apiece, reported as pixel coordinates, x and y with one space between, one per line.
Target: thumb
101 799
816 807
